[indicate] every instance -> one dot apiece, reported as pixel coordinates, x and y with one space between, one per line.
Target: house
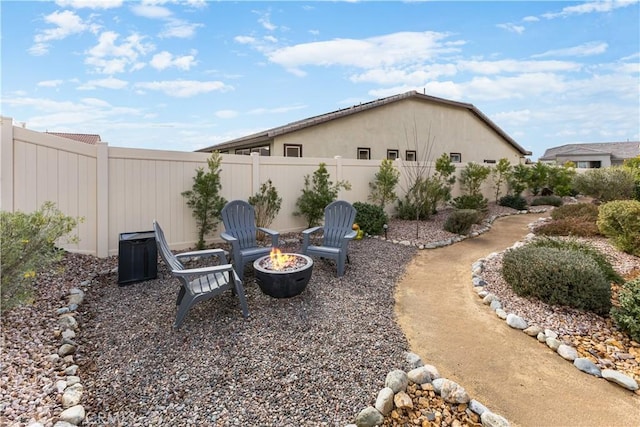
411 125
81 137
593 155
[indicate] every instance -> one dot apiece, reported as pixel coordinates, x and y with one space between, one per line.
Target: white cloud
108 83
164 59
176 28
226 114
184 88
150 11
530 19
515 66
518 29
586 49
411 76
109 58
387 50
90 4
265 21
66 23
244 39
50 83
590 7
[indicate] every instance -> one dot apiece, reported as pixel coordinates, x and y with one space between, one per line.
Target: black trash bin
137 257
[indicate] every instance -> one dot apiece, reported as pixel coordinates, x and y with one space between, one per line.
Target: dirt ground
506 370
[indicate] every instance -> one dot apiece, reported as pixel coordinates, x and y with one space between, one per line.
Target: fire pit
283 275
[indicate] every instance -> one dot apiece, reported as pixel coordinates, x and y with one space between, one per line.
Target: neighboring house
82 137
593 155
410 125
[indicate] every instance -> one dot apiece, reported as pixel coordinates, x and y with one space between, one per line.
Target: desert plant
468 201
383 187
633 165
266 203
472 176
620 221
460 221
606 184
557 277
370 218
560 179
318 192
500 172
588 211
27 243
204 198
547 200
627 316
537 179
585 248
518 178
514 201
577 227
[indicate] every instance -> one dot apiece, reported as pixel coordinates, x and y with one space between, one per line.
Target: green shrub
606 184
620 221
461 220
267 204
370 218
588 211
476 202
547 200
578 227
627 316
27 246
318 192
384 184
558 277
585 248
514 201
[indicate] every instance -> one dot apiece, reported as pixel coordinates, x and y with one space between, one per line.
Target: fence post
339 173
102 200
255 173
6 164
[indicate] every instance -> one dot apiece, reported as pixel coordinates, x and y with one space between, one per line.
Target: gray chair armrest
199 272
220 253
306 234
350 235
274 235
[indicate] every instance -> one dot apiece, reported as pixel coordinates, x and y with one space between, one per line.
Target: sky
184 75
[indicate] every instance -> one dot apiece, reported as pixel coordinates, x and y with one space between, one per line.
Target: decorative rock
61 385
369 417
413 360
73 307
72 379
397 381
437 384
71 370
620 379
483 293
550 334
402 401
489 419
532 331
419 375
74 415
52 357
68 334
567 352
72 396
67 321
488 298
66 349
495 305
501 314
516 322
541 337
478 281
384 402
62 310
477 407
433 371
553 343
586 365
453 393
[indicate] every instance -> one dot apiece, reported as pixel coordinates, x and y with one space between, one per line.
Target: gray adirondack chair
199 284
337 232
239 219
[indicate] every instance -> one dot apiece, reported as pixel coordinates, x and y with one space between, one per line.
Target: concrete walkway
506 370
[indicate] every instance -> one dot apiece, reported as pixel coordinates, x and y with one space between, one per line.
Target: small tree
500 173
267 204
204 198
560 179
472 177
538 176
518 178
383 187
317 193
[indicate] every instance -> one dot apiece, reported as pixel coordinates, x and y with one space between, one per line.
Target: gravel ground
315 359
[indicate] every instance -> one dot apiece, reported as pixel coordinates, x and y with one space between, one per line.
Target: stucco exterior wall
406 125
605 160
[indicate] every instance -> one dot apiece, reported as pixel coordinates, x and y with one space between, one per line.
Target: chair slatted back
165 252
339 217
239 220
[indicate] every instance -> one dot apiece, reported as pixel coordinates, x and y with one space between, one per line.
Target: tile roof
617 150
82 137
312 121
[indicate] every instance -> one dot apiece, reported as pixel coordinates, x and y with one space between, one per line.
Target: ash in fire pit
283 275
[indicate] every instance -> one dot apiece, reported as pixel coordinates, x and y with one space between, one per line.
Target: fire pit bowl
283 280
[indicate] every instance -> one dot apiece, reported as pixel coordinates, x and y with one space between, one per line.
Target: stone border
393 396
67 382
547 336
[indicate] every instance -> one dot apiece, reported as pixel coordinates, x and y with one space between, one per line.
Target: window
292 150
410 155
364 153
263 150
588 165
489 161
392 154
455 157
